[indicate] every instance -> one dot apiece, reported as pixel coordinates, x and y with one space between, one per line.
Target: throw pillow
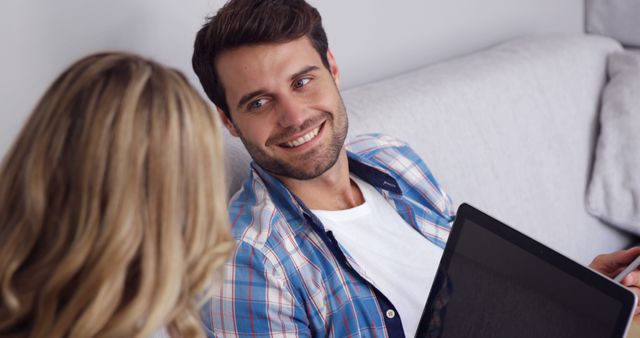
614 190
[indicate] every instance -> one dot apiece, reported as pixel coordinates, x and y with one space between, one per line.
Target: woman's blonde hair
113 216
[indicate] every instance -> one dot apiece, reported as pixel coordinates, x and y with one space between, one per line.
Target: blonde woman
112 206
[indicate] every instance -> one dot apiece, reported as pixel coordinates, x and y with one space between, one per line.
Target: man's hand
613 263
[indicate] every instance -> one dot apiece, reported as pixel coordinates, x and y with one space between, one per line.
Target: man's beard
323 159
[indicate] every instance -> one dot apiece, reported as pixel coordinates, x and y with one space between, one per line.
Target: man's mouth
302 139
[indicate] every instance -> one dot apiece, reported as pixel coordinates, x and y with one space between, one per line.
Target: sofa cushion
618 19
614 192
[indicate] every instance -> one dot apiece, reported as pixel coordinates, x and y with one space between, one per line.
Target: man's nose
291 112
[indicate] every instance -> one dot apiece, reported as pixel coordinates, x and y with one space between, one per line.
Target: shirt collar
372 173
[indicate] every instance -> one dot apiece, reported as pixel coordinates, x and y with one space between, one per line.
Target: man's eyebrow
247 97
305 70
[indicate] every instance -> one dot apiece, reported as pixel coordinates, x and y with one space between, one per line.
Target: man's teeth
303 139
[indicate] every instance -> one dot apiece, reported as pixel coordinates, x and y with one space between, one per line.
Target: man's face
285 106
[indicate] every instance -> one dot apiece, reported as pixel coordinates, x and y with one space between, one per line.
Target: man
333 239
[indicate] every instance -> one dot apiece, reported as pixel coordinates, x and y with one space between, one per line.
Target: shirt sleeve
254 300
437 199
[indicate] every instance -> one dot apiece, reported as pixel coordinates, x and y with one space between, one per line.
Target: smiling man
334 239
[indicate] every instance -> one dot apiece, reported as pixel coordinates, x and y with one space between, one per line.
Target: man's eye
257 104
301 83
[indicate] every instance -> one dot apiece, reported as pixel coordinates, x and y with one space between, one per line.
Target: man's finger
632 279
624 257
616 261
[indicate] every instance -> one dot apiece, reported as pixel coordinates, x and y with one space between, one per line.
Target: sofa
510 129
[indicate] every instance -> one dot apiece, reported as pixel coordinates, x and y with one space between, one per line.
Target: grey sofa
510 129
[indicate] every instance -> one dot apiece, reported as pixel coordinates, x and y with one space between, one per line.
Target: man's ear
227 122
333 68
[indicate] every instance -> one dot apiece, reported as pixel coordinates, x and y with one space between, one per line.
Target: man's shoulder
256 217
366 143
253 213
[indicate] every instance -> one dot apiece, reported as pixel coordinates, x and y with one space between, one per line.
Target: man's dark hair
249 22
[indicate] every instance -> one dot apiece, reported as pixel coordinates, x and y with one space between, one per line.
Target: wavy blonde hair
113 213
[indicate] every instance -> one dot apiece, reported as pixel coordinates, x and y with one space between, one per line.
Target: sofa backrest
510 130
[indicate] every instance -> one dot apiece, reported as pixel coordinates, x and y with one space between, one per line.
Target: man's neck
333 190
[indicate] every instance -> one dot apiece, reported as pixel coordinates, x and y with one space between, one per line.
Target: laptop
493 281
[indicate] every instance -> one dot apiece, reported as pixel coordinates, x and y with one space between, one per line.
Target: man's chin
308 166
298 173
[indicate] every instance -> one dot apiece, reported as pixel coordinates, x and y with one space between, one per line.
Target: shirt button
390 314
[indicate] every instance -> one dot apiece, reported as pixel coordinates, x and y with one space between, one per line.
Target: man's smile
303 139
299 140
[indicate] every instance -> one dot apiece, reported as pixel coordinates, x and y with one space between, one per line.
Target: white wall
371 39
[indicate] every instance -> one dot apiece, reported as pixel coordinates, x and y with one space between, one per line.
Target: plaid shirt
290 278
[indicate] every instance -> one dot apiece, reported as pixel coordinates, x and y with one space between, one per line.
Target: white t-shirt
396 258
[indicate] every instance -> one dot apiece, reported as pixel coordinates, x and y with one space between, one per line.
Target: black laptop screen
489 287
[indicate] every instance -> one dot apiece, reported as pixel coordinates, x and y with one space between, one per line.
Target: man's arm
254 300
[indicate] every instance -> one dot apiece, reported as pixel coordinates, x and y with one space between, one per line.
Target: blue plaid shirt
290 278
